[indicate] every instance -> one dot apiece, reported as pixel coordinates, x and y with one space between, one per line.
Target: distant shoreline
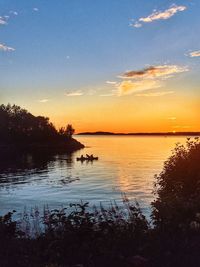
143 134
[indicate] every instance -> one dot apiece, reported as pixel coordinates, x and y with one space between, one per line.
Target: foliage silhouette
78 235
67 132
19 127
177 206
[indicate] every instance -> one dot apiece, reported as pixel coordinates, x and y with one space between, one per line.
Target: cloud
162 15
44 100
5 18
113 92
136 24
111 82
154 72
6 48
156 94
195 54
14 12
3 21
35 9
128 87
147 78
159 15
74 93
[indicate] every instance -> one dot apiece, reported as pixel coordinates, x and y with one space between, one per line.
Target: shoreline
186 134
57 147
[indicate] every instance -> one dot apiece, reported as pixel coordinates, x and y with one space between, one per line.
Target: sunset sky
117 65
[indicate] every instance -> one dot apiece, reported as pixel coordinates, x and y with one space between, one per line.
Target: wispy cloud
14 12
195 53
6 48
156 94
3 20
111 82
147 78
128 87
159 15
113 92
44 100
74 93
36 9
154 72
136 24
162 15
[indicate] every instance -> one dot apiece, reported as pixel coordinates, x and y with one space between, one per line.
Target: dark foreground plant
177 206
176 210
82 235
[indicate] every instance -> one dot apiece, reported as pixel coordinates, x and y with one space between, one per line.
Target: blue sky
58 53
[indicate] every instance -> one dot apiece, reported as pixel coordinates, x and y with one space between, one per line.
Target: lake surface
127 164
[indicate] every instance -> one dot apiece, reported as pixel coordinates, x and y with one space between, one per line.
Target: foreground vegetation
21 130
84 237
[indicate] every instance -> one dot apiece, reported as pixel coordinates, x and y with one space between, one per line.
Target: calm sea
127 164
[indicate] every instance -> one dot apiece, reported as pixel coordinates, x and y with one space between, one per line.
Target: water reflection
20 168
125 165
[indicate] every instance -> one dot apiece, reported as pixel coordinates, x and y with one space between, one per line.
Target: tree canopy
17 125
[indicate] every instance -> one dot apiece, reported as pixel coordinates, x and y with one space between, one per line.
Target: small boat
87 158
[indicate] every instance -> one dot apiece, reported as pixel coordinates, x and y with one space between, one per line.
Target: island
22 131
143 134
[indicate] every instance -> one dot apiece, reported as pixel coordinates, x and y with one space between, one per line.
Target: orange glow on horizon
177 112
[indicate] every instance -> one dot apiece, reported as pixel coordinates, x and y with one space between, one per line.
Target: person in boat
82 157
90 157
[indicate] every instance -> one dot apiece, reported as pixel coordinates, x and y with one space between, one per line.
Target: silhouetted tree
17 125
69 131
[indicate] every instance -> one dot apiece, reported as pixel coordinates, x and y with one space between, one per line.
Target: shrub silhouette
177 206
76 236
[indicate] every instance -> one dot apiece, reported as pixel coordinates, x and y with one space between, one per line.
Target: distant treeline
18 126
148 134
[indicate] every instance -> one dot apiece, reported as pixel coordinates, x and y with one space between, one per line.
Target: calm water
126 165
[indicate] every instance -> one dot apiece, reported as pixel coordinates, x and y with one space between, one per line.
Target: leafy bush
177 206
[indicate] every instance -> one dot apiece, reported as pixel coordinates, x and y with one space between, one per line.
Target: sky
120 66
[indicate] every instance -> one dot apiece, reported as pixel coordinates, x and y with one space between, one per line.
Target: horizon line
140 133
